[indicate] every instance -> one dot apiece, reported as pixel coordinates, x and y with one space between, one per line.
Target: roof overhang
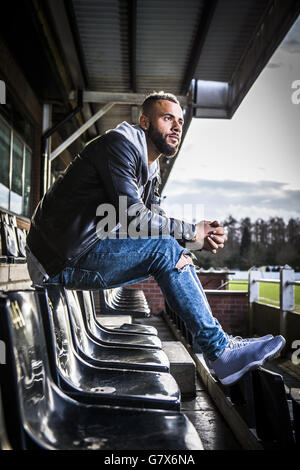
208 52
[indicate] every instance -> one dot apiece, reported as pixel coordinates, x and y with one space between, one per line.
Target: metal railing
286 283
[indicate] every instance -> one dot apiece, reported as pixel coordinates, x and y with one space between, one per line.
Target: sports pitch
268 293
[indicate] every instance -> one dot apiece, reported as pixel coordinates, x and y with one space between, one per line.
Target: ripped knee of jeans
184 260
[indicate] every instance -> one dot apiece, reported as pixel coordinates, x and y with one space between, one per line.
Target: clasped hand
210 235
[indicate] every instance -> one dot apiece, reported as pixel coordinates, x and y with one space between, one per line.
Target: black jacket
65 224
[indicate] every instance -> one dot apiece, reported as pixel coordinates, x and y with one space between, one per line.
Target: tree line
261 243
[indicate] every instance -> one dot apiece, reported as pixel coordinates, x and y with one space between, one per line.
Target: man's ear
144 122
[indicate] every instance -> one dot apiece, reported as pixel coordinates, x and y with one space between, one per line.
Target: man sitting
100 226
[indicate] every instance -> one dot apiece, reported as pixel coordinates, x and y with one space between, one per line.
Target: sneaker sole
231 379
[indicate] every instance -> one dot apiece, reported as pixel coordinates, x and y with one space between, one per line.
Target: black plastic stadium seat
99 385
130 299
125 327
273 420
39 415
97 332
112 303
295 397
107 356
13 239
148 342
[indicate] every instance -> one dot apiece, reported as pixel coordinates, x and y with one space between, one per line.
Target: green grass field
268 293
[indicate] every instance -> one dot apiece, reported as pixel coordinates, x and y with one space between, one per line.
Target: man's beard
160 142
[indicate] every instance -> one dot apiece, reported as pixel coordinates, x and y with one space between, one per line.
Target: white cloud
217 199
251 161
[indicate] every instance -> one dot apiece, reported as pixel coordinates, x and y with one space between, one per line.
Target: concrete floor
212 429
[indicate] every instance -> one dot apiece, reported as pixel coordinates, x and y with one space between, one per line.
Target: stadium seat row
12 240
67 382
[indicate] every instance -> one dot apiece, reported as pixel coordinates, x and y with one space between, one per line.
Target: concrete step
114 321
182 367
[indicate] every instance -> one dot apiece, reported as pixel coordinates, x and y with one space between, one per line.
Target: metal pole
287 298
118 98
47 121
253 295
80 131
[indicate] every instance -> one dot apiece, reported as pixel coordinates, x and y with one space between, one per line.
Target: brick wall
229 307
231 310
153 294
213 280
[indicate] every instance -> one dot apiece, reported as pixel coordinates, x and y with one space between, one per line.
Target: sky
248 166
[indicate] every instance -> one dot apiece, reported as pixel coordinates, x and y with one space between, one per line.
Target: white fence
287 280
243 275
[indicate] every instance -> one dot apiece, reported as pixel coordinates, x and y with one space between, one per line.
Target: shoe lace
236 342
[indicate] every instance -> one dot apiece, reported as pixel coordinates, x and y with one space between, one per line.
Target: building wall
14 277
213 280
231 310
229 307
21 99
29 107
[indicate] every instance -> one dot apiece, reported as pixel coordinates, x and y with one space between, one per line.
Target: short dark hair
156 96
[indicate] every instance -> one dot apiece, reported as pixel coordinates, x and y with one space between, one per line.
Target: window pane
27 182
17 171
17 166
4 164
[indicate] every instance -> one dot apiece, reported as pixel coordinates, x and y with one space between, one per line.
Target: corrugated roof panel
229 35
102 27
165 35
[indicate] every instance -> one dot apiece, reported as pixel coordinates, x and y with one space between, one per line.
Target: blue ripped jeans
118 262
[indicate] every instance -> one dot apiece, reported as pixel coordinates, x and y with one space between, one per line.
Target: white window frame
14 133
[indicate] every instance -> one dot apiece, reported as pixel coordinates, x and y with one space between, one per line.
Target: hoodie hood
137 137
